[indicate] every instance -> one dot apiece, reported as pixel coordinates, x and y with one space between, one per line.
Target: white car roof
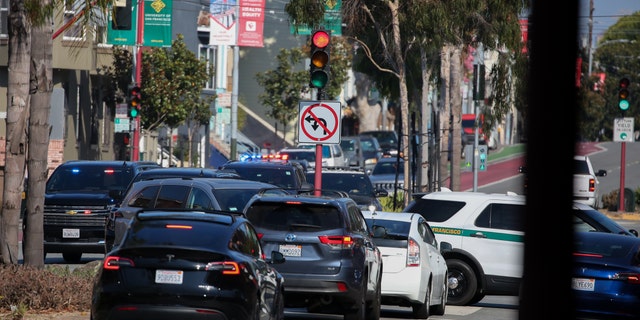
389 215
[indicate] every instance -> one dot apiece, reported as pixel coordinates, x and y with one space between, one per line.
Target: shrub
387 202
54 288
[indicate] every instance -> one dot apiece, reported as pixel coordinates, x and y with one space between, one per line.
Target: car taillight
592 185
633 278
226 267
115 262
337 242
413 254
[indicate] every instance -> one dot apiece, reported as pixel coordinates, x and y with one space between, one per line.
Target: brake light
592 185
413 254
590 255
226 267
260 235
178 226
633 278
342 287
337 242
109 171
115 262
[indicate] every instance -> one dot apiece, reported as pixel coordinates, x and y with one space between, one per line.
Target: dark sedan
606 275
189 265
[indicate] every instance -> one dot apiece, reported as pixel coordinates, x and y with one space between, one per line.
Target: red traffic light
320 39
624 83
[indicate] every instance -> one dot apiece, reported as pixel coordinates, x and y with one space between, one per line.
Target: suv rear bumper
308 289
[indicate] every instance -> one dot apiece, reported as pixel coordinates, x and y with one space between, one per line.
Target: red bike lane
504 168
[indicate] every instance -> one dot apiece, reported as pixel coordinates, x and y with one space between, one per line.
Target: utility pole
135 154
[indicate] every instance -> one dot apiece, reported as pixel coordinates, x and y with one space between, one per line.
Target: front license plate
71 233
169 276
291 250
583 284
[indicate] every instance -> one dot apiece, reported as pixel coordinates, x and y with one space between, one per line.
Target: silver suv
332 264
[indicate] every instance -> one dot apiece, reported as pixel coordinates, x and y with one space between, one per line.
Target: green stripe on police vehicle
487 234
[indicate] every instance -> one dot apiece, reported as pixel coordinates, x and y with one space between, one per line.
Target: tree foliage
617 57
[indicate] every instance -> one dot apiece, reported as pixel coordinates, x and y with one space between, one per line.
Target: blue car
606 275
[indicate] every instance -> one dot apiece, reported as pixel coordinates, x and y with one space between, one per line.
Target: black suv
332 264
355 183
286 175
78 197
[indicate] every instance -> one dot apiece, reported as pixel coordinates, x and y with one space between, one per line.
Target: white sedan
414 273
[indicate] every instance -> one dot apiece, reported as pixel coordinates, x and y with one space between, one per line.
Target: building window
71 9
208 53
4 19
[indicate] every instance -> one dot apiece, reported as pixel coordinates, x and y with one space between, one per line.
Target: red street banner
251 23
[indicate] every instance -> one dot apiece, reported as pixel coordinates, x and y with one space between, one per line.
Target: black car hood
78 198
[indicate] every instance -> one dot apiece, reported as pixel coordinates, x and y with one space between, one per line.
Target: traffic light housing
122 138
320 56
623 94
482 157
121 15
135 100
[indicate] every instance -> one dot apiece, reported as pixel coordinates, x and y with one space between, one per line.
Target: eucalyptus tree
29 90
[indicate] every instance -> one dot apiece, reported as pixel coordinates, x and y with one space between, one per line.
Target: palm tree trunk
38 146
17 117
456 112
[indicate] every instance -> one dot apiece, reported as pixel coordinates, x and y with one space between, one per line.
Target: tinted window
282 217
145 198
398 230
502 216
172 196
358 183
435 210
199 199
246 241
388 168
192 234
234 199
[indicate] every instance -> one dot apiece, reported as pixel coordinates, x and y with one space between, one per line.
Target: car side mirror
445 246
277 257
601 173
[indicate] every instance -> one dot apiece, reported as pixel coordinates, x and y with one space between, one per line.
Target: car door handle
478 235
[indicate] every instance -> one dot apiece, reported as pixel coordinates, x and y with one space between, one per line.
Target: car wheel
421 310
373 311
361 305
462 283
438 310
72 256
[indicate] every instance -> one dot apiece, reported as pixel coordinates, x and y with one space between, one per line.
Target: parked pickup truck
586 187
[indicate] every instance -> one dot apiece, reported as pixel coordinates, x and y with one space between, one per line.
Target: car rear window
389 229
281 177
174 233
283 217
435 210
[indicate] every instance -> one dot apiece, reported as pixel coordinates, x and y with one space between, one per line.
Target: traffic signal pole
135 154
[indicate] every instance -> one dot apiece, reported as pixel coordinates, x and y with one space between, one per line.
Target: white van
332 154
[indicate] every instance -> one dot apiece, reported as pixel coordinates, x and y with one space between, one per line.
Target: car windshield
344 182
89 178
388 168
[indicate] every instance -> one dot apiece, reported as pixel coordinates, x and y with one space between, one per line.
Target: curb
633 216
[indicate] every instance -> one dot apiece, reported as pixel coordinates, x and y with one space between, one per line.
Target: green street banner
157 25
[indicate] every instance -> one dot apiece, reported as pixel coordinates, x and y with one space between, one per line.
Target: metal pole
234 103
623 154
135 156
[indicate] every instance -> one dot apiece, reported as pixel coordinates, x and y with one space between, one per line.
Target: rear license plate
169 276
583 284
291 250
71 233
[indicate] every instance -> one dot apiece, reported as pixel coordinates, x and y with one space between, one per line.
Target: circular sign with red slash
319 122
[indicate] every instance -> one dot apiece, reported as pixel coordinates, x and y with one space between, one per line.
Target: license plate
169 276
291 250
71 233
583 284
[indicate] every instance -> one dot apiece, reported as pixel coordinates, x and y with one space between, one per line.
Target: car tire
361 307
421 310
462 282
72 256
373 310
438 310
